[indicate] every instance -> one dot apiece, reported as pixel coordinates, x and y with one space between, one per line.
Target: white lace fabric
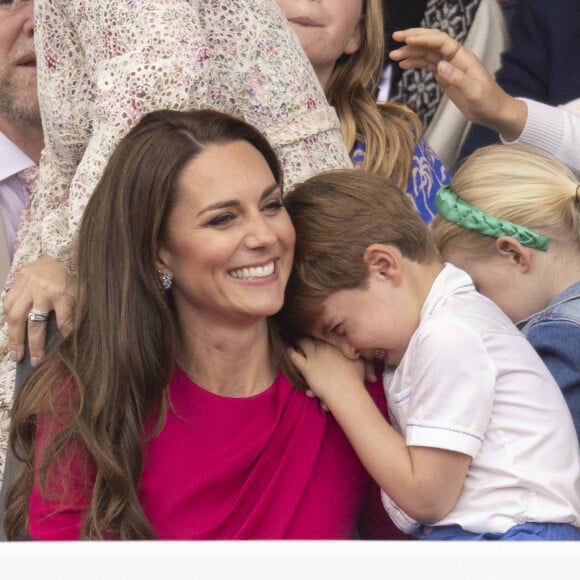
105 63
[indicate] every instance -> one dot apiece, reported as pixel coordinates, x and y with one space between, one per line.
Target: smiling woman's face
229 242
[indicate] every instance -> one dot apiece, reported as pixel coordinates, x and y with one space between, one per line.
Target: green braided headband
459 212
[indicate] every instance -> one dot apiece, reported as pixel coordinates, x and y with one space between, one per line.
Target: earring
166 280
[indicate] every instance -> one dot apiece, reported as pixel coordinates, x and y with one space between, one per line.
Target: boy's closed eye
338 329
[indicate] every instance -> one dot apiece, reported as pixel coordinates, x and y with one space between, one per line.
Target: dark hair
111 372
337 215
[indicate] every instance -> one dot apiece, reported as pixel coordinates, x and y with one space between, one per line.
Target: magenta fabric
272 466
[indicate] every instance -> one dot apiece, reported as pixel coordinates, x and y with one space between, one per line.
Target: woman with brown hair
169 411
103 65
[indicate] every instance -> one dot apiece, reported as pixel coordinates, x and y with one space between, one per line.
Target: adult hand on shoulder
40 287
463 77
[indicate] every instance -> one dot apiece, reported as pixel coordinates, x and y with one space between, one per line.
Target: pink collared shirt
13 193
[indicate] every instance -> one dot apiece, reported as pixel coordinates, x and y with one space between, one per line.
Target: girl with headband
511 219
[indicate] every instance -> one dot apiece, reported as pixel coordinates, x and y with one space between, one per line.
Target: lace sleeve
262 74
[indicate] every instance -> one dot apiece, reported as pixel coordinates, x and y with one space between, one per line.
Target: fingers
370 371
17 306
16 334
429 39
25 320
408 63
297 354
64 313
36 339
424 48
41 286
296 358
404 35
450 76
415 57
37 328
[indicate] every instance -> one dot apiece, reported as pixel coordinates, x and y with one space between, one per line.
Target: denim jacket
555 334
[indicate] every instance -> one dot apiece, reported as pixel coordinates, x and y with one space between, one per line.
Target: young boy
482 445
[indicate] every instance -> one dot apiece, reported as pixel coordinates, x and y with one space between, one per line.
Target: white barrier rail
274 560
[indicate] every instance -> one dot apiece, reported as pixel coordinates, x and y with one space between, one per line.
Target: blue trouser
528 532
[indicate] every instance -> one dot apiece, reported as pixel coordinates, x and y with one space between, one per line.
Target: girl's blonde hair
516 184
390 132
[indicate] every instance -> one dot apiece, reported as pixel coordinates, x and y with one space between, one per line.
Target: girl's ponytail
572 209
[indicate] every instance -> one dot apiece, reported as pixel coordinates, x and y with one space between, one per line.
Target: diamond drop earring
166 280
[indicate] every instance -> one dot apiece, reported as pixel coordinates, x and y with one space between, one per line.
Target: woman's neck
228 361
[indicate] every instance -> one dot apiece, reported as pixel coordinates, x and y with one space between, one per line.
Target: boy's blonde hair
516 184
337 215
391 131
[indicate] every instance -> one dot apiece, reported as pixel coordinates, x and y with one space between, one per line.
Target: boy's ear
356 39
510 249
383 261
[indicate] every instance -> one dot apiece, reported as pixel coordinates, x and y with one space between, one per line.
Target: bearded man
21 138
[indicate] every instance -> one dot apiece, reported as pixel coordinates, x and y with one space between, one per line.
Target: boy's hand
463 77
326 370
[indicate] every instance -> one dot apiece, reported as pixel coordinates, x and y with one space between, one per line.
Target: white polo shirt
470 382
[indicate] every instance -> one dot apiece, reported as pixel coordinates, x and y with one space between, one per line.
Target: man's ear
510 249
384 261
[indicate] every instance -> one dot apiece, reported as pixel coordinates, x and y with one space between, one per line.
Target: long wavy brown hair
110 374
390 132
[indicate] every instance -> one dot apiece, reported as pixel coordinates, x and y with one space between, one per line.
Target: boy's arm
464 79
425 482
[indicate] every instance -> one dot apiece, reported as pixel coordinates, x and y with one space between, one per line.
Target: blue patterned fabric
427 175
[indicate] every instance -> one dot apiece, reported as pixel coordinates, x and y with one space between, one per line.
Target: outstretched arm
464 79
425 482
